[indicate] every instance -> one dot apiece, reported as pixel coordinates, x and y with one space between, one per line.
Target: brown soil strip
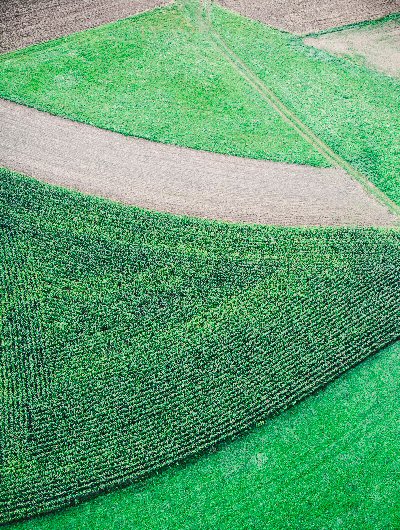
377 46
307 16
25 22
179 180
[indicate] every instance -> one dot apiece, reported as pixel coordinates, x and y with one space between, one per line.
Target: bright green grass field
159 76
355 110
153 76
330 462
132 339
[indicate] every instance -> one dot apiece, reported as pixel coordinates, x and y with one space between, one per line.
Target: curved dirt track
179 180
307 16
25 22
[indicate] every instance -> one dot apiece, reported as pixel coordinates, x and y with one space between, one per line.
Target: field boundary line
288 115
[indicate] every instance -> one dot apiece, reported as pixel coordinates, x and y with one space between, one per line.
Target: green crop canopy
132 340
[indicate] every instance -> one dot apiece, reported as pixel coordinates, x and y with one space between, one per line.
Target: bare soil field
25 22
376 46
307 16
180 180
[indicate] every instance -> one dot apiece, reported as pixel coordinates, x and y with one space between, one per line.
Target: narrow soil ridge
270 97
180 180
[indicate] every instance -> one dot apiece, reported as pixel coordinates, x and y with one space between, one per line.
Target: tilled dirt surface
25 22
179 180
377 46
307 16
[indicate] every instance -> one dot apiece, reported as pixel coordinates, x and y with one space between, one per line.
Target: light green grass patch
351 108
155 76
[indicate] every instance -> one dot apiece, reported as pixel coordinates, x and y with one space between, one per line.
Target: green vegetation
159 76
155 76
330 462
351 108
133 339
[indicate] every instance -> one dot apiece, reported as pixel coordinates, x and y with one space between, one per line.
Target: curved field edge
37 22
351 108
188 182
155 76
329 462
159 76
356 25
133 340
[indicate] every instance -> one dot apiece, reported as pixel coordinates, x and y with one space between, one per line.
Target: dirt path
180 180
377 46
306 16
25 22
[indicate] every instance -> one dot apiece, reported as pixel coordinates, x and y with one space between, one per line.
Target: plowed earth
178 180
306 16
25 22
376 46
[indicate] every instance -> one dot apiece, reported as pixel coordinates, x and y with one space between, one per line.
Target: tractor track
287 115
192 182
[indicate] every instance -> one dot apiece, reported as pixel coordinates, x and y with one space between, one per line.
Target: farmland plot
181 181
306 16
375 45
154 76
26 22
349 107
159 76
328 459
132 339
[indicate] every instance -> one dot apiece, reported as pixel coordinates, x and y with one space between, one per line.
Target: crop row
132 339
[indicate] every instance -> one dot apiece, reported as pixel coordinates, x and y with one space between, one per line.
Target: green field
135 345
154 76
353 109
330 462
160 76
133 339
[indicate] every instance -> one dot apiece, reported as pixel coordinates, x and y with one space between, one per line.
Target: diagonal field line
288 116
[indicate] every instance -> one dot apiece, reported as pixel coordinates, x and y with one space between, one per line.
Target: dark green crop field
131 339
329 462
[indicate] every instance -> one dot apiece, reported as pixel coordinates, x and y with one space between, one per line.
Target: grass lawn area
132 339
329 462
353 109
153 76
